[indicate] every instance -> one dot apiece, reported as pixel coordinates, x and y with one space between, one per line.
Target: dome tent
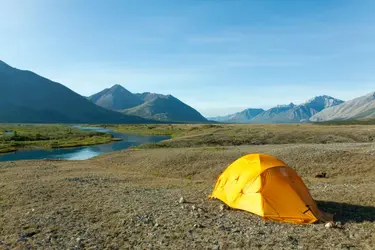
266 186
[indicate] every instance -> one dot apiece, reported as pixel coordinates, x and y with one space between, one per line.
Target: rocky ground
158 199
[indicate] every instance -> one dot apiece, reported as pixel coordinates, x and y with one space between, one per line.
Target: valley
130 199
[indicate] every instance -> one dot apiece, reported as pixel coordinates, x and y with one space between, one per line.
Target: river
86 152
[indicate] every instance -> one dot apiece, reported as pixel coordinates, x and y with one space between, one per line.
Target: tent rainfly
266 186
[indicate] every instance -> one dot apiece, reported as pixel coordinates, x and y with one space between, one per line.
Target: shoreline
31 147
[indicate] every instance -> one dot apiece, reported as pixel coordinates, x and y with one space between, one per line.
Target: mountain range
147 105
26 97
358 108
290 113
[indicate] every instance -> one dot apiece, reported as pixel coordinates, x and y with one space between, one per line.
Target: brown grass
234 135
129 199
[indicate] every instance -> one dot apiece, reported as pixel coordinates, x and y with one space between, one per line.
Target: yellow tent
266 186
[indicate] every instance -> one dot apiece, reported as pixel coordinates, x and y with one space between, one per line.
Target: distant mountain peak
321 102
360 107
290 105
117 86
320 97
147 105
116 98
286 113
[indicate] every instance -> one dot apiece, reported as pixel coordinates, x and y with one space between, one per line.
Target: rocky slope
166 108
290 113
239 117
116 98
361 107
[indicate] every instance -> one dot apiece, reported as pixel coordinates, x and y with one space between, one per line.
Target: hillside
239 117
147 105
361 107
147 96
290 113
166 108
116 98
26 97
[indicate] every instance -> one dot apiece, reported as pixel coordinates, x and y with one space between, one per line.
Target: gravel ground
131 200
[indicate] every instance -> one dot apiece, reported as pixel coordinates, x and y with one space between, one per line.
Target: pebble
193 207
181 200
329 224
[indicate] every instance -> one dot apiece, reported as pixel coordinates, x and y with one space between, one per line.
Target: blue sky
219 56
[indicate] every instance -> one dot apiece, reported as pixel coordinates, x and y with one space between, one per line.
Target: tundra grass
130 200
213 135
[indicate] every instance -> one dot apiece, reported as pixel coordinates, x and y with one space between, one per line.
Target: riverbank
48 136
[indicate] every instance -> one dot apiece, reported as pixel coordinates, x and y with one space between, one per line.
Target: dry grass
229 135
129 200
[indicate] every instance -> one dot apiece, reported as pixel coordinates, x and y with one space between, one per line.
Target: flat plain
130 199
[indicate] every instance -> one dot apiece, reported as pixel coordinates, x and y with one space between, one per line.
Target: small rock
329 224
200 210
339 225
197 226
182 206
78 239
181 200
221 208
156 225
193 207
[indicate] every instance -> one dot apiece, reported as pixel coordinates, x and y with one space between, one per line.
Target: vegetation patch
219 135
17 136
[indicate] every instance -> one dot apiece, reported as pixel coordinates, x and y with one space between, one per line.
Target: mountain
290 113
278 114
239 117
361 107
147 96
116 98
146 105
26 97
165 108
296 113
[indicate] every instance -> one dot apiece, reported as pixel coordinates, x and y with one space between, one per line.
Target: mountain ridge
115 98
357 108
26 97
149 105
289 113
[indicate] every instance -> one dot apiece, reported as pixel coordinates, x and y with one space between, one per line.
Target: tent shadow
344 212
